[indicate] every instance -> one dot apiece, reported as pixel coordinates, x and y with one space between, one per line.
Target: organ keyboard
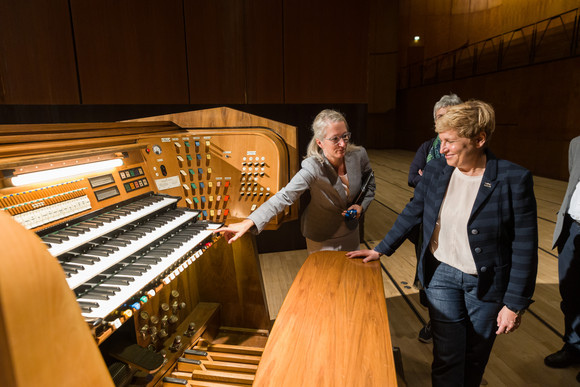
135 241
111 256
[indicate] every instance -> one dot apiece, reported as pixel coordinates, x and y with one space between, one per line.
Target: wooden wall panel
130 51
445 25
536 113
325 51
37 63
264 51
382 62
215 51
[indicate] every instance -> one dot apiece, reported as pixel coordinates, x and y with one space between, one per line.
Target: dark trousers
569 273
416 236
463 328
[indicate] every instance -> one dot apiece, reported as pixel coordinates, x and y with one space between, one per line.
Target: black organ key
164 249
96 296
99 253
80 229
116 242
133 208
103 291
90 224
109 215
172 245
134 271
69 232
110 287
85 260
156 254
149 260
181 238
128 237
110 249
120 281
137 233
82 289
102 219
113 269
70 268
54 238
106 290
88 303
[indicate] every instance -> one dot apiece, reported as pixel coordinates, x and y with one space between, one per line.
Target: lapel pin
487 184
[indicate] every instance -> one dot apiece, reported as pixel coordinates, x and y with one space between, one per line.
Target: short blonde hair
469 119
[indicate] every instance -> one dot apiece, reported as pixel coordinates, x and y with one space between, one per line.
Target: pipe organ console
128 210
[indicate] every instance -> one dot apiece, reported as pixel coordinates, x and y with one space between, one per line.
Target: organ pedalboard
135 239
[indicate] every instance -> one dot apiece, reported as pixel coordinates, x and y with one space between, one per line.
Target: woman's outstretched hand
367 255
235 230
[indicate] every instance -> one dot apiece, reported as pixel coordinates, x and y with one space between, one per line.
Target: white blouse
449 243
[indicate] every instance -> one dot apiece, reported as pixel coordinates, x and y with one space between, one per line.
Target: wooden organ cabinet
167 301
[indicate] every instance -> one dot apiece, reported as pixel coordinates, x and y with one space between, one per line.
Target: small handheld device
350 214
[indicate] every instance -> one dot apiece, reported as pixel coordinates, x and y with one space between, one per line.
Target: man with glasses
333 172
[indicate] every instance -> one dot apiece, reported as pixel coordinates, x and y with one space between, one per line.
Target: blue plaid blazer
502 229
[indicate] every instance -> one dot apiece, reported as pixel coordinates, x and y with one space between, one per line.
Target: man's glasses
336 139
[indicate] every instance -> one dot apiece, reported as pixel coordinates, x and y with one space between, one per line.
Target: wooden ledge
332 329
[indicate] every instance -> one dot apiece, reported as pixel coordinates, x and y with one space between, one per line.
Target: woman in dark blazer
333 171
479 260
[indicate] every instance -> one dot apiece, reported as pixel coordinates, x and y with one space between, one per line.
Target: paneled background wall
537 106
445 25
97 60
183 51
537 113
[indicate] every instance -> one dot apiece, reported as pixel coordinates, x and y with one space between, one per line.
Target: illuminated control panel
223 175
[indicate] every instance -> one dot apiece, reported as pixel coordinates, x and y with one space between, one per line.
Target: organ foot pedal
137 357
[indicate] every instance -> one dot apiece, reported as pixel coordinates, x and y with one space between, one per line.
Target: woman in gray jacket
333 171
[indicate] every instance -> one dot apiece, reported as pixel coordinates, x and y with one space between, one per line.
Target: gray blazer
322 217
560 235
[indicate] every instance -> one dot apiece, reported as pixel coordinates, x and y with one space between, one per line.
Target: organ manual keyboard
128 210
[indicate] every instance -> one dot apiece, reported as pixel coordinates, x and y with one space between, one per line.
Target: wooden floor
517 358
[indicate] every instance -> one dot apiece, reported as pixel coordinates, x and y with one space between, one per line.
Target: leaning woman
479 267
332 170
